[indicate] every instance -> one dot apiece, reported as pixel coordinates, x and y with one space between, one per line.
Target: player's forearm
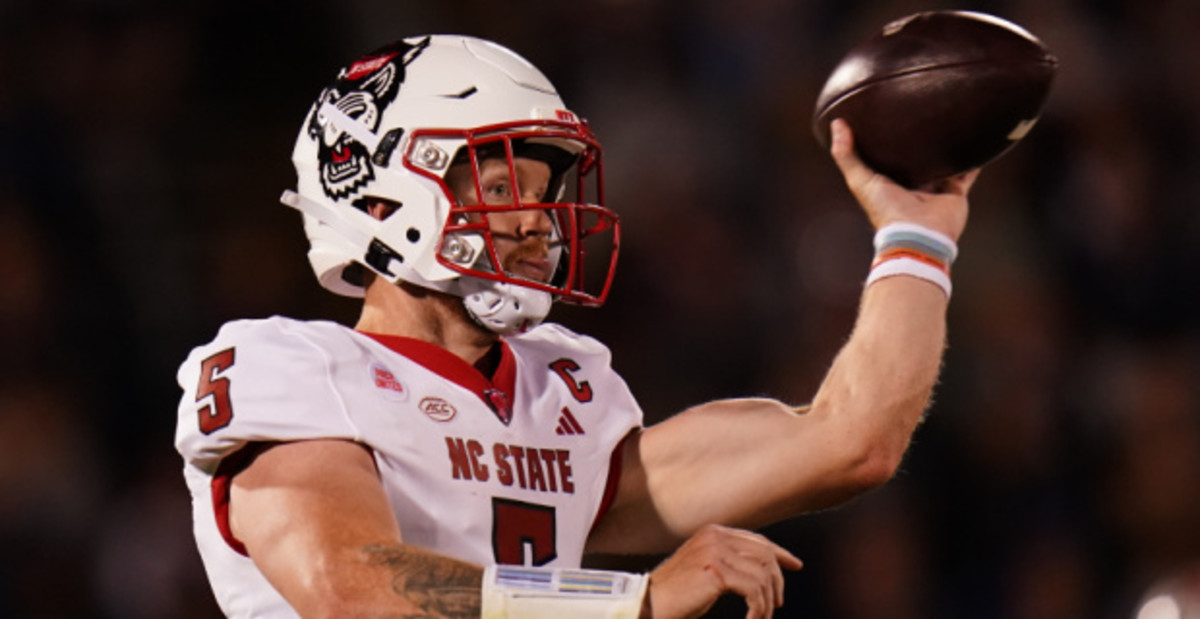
438 586
880 383
391 580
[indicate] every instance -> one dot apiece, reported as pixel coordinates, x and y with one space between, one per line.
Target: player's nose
534 222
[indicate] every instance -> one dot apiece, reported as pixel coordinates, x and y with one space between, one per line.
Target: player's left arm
748 463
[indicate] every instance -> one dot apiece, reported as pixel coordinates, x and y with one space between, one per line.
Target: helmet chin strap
504 308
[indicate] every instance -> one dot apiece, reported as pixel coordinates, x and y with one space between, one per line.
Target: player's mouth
537 269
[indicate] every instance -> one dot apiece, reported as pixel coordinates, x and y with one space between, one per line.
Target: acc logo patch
386 382
437 409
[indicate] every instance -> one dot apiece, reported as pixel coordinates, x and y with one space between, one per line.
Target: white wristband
912 268
511 592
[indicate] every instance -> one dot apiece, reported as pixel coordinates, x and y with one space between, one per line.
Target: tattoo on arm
439 586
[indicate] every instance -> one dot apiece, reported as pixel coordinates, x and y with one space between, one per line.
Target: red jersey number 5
219 413
517 525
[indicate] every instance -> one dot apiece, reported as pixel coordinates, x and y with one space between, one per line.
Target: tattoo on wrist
439 586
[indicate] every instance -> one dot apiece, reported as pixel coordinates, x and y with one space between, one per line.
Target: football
937 93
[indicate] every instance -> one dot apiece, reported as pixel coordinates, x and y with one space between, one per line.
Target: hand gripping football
938 93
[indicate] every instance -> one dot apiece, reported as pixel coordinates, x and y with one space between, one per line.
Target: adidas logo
568 425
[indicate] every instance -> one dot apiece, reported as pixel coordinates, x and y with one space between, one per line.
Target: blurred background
143 146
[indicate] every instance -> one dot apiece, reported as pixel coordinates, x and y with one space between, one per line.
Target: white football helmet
392 125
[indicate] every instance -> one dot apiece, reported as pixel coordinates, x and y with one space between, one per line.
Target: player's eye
498 192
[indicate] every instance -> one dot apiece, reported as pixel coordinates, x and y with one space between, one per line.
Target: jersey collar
496 392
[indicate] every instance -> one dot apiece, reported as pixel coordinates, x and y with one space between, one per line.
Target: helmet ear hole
355 275
379 208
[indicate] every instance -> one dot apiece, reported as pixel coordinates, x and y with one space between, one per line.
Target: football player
454 456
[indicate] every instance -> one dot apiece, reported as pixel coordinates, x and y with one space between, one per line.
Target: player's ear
379 208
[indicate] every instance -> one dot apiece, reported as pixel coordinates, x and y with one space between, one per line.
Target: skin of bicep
314 518
750 462
742 463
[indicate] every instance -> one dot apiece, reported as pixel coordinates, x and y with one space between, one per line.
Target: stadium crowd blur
143 146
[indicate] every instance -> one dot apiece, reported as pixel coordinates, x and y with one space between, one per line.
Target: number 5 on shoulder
219 413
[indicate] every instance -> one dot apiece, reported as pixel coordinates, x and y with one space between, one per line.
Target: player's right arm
280 473
314 519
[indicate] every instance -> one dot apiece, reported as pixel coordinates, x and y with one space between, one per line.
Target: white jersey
513 469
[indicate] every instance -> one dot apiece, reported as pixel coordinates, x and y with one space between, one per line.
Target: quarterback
452 455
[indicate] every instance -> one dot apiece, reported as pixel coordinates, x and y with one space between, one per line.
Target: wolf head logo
362 91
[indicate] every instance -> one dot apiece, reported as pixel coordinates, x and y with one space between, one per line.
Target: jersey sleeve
603 398
257 381
571 352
